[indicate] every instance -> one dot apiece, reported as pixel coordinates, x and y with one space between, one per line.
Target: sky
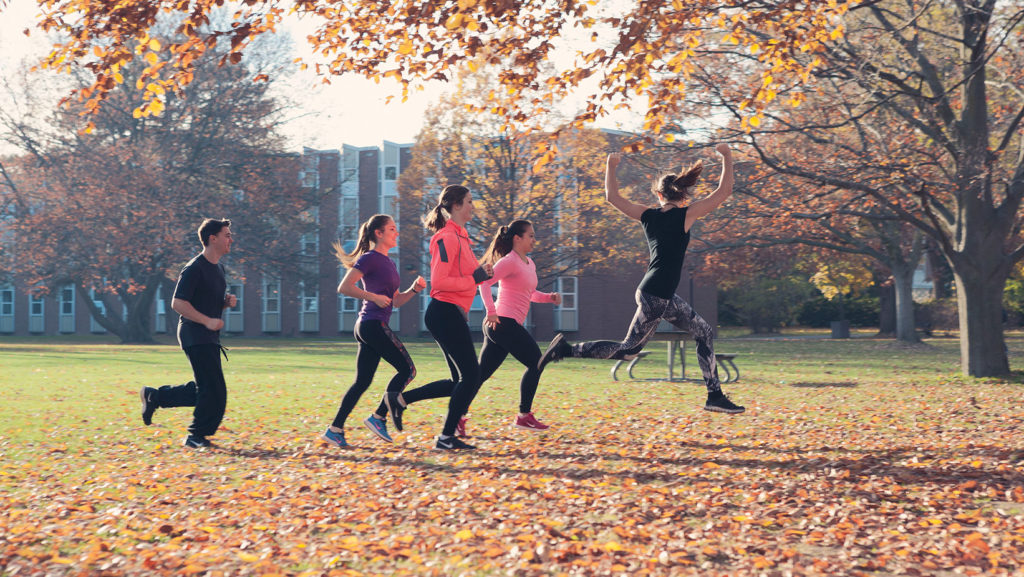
351 110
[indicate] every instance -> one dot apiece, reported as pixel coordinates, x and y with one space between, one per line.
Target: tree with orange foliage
911 128
620 50
115 210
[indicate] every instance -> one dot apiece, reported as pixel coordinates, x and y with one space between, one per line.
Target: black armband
480 275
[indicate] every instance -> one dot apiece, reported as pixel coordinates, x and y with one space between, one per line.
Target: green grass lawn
860 455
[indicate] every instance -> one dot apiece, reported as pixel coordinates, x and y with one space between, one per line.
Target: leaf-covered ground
853 458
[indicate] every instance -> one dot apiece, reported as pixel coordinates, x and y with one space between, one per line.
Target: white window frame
7 304
564 312
309 308
36 319
270 289
66 309
97 301
235 316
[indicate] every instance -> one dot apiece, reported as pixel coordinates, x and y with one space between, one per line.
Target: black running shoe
148 396
452 443
557 350
395 408
719 403
197 442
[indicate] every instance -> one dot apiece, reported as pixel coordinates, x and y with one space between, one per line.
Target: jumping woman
454 276
370 263
668 232
516 275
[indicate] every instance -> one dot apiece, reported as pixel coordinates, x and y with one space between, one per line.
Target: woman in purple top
380 295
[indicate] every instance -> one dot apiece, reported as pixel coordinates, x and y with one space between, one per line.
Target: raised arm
712 201
611 190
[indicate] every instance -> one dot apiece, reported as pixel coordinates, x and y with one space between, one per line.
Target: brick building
352 184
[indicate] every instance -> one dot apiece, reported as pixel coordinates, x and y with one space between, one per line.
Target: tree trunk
903 281
980 308
137 330
886 310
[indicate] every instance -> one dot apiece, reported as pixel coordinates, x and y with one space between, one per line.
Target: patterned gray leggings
650 311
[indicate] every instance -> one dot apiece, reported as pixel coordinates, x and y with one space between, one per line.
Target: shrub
861 311
764 304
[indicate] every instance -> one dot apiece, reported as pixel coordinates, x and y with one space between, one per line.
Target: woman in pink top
504 333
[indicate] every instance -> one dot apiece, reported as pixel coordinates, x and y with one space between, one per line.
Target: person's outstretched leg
649 309
683 317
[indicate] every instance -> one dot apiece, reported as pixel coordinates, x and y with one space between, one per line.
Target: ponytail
677 187
501 244
367 236
438 216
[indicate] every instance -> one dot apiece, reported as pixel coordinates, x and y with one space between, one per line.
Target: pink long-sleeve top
517 288
452 267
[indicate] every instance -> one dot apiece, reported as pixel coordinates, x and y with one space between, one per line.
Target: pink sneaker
460 429
528 421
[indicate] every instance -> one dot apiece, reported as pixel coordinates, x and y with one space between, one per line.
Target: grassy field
861 456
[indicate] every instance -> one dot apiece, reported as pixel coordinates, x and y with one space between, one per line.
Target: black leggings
207 393
447 324
376 341
511 337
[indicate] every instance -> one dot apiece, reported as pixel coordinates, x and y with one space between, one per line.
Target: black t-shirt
667 238
201 283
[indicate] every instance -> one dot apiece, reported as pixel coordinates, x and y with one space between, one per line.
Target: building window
390 173
67 300
567 314
7 301
101 306
233 317
271 296
348 221
310 244
6 309
35 306
270 312
309 176
309 299
349 304
66 306
36 310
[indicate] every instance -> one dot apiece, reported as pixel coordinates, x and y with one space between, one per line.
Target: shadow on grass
588 464
842 385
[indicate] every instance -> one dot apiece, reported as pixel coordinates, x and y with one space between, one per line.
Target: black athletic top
667 238
201 283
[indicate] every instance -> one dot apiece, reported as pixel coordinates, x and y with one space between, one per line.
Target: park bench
675 343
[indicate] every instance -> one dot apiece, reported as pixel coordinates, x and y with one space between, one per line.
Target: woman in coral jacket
504 332
454 276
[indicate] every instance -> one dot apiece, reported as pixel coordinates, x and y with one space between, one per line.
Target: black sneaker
452 443
148 396
557 350
197 442
395 407
719 403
